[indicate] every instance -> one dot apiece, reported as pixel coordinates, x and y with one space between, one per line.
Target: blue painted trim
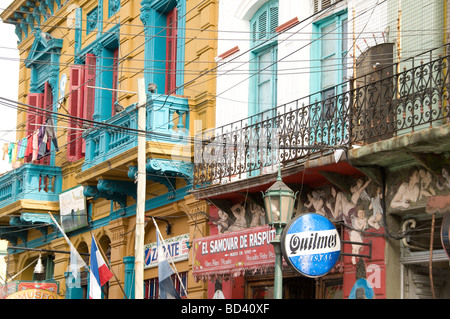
129 211
113 7
78 34
92 19
181 45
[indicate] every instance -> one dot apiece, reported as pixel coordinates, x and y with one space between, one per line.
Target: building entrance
294 287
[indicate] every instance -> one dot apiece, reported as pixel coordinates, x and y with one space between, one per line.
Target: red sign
234 253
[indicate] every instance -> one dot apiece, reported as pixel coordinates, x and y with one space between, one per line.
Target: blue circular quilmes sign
311 245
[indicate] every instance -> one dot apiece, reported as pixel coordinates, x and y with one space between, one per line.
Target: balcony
377 106
167 119
31 182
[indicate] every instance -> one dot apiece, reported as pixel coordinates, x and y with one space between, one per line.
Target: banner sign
18 285
233 253
72 205
177 247
311 245
34 294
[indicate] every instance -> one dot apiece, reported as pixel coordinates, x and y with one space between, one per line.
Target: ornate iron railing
369 110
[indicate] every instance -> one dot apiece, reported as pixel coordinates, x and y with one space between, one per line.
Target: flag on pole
76 262
99 272
166 288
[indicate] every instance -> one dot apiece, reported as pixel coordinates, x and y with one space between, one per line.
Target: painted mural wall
356 203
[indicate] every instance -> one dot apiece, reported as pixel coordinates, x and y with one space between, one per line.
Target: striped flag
99 272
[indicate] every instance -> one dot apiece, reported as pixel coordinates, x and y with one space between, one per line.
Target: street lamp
279 202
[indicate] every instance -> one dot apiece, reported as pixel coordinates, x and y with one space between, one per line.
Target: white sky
9 75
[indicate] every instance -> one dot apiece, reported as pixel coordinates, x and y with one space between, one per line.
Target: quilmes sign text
311 245
314 242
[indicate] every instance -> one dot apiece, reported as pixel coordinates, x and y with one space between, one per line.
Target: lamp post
279 203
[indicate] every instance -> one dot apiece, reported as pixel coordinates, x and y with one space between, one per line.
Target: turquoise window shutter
263 83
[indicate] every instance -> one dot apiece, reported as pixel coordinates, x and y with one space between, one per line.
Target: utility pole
141 186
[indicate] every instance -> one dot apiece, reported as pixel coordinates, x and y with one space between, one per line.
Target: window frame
263 41
339 51
151 285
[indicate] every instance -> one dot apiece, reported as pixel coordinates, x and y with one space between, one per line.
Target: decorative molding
228 53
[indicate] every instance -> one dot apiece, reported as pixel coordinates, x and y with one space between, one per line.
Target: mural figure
359 224
377 209
425 184
362 288
218 293
407 193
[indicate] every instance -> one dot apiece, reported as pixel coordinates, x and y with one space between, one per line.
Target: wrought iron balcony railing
396 103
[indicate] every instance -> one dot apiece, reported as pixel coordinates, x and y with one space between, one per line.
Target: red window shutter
76 110
171 51
89 95
115 80
47 105
35 100
48 101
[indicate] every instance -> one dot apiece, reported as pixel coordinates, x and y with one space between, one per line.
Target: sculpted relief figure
223 221
343 207
316 203
238 211
258 216
444 181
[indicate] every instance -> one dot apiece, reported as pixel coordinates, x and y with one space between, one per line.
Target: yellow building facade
80 65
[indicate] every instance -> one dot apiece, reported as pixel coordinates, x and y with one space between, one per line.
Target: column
118 228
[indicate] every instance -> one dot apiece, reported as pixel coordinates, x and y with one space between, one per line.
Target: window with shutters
263 83
330 60
263 23
320 5
36 119
81 105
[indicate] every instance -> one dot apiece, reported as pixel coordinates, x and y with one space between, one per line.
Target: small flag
76 262
99 272
166 288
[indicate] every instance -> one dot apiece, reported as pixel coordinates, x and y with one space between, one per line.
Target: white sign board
72 206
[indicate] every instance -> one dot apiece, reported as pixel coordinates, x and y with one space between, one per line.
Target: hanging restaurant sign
311 245
233 253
